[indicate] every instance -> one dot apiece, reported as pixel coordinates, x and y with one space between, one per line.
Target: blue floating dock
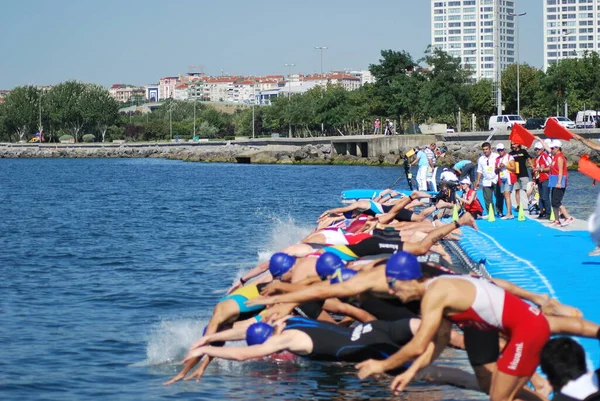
542 259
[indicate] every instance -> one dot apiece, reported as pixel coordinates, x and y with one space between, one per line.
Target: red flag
554 130
521 136
589 168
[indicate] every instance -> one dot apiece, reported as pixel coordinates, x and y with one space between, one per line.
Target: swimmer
480 304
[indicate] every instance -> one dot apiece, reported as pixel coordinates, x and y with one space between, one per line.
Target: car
535 123
504 122
564 121
587 119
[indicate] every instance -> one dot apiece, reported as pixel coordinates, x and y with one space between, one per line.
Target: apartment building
124 93
571 27
467 29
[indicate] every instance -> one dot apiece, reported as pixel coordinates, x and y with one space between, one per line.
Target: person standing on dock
558 182
430 152
377 125
540 172
505 167
423 165
522 159
486 175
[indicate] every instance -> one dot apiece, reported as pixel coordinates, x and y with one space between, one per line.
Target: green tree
480 102
65 107
21 112
530 84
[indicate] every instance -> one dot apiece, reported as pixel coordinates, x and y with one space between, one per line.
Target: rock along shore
230 152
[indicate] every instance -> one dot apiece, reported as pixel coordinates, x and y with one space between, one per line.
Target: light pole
289 65
564 37
171 120
195 95
516 18
321 48
253 103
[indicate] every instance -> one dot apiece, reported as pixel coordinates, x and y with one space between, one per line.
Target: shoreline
318 153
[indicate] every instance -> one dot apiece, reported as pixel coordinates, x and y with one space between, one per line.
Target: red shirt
475 206
554 165
542 161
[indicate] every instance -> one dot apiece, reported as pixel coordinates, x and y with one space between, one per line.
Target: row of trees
404 90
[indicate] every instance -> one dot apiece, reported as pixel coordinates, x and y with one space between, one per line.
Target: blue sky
44 42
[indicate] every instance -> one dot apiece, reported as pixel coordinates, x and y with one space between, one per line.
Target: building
3 94
220 89
570 28
346 81
467 29
153 93
181 92
166 87
126 93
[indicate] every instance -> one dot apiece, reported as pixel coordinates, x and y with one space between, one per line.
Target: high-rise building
467 29
570 28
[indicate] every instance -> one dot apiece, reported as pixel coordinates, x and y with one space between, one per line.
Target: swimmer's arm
272 345
432 310
334 305
317 292
300 285
238 332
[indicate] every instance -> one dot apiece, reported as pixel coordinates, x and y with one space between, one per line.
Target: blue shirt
423 160
461 164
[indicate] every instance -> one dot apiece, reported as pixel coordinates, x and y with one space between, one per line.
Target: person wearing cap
522 160
448 176
472 302
505 167
558 181
322 341
377 127
430 152
487 177
541 173
469 199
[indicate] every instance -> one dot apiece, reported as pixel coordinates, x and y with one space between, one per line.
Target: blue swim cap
340 275
403 266
327 263
280 264
215 343
258 333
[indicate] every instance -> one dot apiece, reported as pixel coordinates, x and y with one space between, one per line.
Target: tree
21 111
65 107
480 102
99 109
530 84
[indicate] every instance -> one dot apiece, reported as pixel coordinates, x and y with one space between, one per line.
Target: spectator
377 125
423 165
486 170
448 176
444 200
563 361
465 168
389 127
430 152
522 160
505 167
541 173
469 199
558 181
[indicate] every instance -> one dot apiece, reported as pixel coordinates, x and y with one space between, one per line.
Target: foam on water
170 340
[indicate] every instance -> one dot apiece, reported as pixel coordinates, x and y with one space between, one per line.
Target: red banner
521 136
589 168
554 130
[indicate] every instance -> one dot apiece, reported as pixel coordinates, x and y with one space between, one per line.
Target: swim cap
258 333
327 263
215 343
280 264
403 266
340 275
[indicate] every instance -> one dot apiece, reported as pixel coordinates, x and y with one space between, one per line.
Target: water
111 267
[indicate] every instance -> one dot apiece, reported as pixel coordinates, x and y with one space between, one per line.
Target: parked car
587 119
564 121
504 122
535 123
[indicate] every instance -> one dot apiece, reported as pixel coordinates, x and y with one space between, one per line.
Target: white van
587 118
504 122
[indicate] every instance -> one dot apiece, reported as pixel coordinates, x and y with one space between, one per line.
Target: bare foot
175 379
468 220
555 308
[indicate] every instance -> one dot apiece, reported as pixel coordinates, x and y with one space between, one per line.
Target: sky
44 42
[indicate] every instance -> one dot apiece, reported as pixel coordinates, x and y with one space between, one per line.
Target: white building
570 28
466 29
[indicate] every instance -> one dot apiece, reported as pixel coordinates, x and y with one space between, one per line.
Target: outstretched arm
320 291
420 248
272 345
432 310
590 144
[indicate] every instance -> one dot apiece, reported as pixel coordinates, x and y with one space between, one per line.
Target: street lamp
564 35
517 15
253 103
321 48
289 65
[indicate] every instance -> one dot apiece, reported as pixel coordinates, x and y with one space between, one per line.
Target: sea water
111 267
